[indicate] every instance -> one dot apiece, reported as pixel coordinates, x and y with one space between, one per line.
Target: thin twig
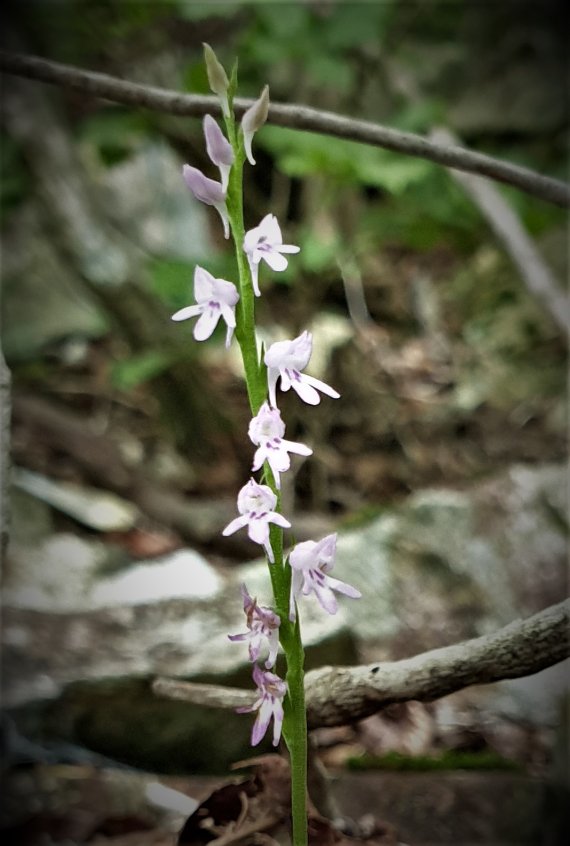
341 695
537 275
294 116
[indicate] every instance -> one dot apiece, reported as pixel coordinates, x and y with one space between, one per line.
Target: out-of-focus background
442 466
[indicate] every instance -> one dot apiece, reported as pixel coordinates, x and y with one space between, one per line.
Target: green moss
449 760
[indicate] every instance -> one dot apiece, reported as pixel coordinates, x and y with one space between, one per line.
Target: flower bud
207 191
217 77
219 148
253 120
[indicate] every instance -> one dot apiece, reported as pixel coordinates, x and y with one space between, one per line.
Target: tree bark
295 116
340 695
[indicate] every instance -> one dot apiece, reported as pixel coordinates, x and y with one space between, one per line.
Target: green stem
295 722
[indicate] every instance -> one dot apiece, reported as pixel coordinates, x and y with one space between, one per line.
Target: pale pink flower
219 149
311 561
286 359
207 191
215 298
263 626
266 431
255 504
271 690
253 120
266 242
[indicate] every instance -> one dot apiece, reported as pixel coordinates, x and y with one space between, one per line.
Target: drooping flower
271 690
266 242
215 298
263 625
253 120
255 504
217 77
286 359
311 561
207 191
266 431
219 149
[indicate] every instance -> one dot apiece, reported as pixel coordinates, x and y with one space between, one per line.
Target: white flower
255 504
215 298
271 690
311 561
266 242
263 625
286 359
266 431
219 149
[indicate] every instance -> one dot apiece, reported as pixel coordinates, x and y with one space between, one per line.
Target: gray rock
444 566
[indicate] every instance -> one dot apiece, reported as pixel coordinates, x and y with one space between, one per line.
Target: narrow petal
272 377
275 260
296 585
258 531
261 722
223 212
297 448
306 392
288 248
321 386
278 715
237 637
342 587
188 311
327 599
229 334
237 523
259 457
228 313
278 519
206 324
254 268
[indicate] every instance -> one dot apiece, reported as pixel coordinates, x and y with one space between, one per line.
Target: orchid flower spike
217 78
266 242
266 431
207 191
219 149
286 359
215 298
253 120
263 625
310 562
255 504
271 690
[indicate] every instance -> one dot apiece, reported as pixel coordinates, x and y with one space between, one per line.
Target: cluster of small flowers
310 561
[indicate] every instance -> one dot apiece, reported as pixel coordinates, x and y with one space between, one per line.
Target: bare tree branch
519 245
340 695
295 116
